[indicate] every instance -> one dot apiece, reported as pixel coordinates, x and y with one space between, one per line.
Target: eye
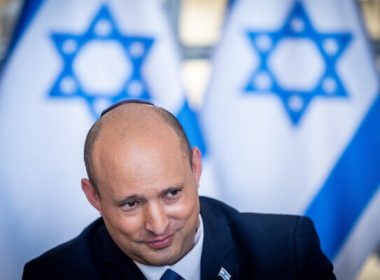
173 193
130 205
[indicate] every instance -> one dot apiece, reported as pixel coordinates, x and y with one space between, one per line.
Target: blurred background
198 27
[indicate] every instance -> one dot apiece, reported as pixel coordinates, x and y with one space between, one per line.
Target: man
143 180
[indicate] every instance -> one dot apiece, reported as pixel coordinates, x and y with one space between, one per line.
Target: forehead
135 125
136 120
140 150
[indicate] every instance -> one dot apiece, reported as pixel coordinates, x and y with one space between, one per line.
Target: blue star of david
297 26
102 29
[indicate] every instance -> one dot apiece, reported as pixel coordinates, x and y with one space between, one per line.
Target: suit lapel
117 265
213 261
219 250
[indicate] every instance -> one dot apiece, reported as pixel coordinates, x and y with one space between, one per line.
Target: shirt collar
189 267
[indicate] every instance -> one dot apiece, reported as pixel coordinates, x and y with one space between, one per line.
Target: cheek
123 224
186 211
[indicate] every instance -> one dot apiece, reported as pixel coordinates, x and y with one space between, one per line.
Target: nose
156 219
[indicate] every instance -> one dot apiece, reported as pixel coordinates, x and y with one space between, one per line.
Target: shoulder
288 242
211 206
271 232
254 221
276 224
73 256
258 229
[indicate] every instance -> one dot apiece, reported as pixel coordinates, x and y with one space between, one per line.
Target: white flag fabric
70 60
292 118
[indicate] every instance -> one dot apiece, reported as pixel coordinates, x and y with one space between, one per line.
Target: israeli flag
292 120
70 60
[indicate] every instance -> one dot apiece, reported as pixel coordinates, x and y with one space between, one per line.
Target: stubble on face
138 154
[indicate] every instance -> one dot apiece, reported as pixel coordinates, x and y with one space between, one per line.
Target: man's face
148 197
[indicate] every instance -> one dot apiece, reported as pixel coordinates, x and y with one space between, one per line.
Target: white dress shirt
189 267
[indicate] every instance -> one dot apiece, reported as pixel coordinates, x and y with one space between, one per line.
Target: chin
162 258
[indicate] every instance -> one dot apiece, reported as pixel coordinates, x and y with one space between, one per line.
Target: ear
196 165
91 193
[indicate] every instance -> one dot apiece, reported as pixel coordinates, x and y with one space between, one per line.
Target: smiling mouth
161 243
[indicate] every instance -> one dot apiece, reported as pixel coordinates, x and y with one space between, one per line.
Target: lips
161 243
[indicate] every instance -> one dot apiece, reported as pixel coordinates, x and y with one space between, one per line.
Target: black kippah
125 101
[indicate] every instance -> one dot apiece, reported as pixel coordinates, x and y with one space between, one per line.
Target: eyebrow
172 188
123 201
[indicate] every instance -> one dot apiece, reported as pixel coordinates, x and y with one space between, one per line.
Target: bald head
132 122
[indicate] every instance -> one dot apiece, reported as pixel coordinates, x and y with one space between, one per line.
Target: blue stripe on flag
28 11
230 4
350 186
190 123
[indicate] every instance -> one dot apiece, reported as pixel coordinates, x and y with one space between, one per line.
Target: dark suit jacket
248 246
